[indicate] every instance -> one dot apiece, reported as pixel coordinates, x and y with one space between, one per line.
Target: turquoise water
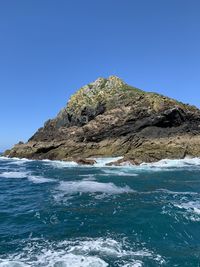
60 214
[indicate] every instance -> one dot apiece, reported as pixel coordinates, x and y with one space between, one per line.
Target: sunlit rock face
110 118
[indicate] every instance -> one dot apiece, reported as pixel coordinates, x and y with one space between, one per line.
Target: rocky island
110 118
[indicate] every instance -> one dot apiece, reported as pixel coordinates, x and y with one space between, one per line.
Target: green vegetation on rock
110 118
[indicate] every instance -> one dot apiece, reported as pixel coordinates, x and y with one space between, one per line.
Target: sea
61 214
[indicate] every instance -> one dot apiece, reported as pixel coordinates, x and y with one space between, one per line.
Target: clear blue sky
50 48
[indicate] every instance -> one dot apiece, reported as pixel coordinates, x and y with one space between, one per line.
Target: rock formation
110 118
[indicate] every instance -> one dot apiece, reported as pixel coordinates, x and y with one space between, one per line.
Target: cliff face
109 117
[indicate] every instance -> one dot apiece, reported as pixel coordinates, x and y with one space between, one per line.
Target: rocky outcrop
110 118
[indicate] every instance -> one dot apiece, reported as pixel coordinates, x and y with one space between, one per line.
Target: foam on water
180 205
73 187
101 162
15 161
81 253
164 164
175 193
190 209
119 172
88 177
173 163
39 179
14 174
59 163
10 263
56 260
135 264
190 206
26 175
99 206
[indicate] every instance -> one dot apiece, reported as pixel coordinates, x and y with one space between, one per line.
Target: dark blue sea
60 214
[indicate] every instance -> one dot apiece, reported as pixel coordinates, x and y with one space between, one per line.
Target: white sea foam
39 179
81 253
169 192
15 161
3 158
182 207
190 209
173 163
101 162
164 164
56 259
88 177
10 263
14 174
59 163
73 187
120 172
22 174
134 264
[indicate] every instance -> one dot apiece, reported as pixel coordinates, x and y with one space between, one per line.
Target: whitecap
73 187
169 192
189 210
190 207
134 264
3 158
88 177
87 252
56 259
16 161
173 163
59 163
39 179
101 162
22 174
14 174
118 172
9 263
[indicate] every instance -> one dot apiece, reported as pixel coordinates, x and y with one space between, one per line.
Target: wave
14 174
119 172
91 252
10 263
26 175
101 162
169 192
68 260
39 179
59 163
88 177
173 163
164 164
190 209
15 161
86 186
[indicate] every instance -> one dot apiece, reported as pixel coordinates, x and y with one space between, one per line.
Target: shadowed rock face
109 117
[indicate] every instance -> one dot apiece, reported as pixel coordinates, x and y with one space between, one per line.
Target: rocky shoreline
110 118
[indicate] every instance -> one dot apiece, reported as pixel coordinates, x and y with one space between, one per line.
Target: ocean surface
64 215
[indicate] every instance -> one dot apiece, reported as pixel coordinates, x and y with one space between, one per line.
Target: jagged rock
110 118
124 162
85 161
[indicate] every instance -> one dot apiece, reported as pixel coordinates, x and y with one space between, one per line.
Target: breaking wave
26 175
87 186
164 164
97 252
173 163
